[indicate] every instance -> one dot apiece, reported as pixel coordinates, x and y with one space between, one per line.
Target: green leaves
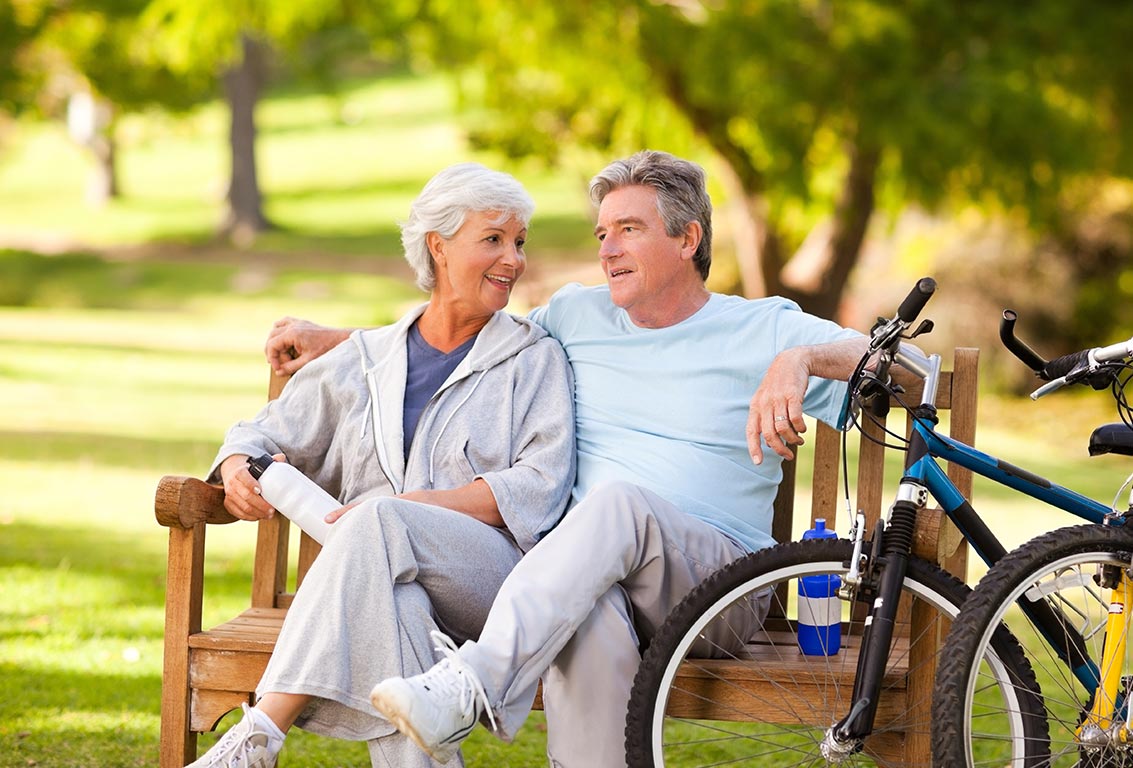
946 101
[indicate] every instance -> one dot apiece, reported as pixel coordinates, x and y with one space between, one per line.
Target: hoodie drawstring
441 431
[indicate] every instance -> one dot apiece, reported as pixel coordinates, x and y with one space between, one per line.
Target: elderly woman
448 438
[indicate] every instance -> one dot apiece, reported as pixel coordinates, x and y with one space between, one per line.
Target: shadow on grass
102 691
92 570
78 718
160 456
87 280
167 276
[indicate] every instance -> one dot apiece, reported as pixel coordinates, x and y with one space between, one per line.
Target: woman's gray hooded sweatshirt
504 415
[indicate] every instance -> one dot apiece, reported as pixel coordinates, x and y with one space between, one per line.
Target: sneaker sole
442 753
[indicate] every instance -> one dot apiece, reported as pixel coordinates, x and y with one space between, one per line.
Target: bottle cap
257 466
819 531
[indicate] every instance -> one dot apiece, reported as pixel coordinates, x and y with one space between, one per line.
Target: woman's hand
334 515
474 499
242 491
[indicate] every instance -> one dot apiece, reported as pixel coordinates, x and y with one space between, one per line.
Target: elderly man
669 488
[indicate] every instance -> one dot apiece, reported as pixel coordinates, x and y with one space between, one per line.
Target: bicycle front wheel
759 701
1069 571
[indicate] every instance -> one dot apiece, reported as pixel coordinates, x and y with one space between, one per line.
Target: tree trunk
815 283
91 124
242 85
103 186
817 275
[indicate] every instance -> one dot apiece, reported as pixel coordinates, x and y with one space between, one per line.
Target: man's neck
669 313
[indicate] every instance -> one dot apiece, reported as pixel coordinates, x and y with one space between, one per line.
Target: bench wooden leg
184 585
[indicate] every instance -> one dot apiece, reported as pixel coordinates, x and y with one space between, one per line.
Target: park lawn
121 364
98 403
130 340
336 174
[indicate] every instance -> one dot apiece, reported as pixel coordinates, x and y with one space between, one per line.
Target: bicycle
882 588
1084 676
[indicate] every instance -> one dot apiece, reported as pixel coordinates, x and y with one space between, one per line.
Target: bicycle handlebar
1015 346
916 300
1088 365
872 387
887 334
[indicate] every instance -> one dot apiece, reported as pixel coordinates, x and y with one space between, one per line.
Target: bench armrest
182 502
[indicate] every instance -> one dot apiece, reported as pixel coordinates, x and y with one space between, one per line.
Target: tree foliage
821 112
20 25
235 41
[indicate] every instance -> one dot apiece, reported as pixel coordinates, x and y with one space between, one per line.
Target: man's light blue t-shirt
666 408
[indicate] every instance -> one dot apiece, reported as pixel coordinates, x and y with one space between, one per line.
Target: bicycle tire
655 739
1058 566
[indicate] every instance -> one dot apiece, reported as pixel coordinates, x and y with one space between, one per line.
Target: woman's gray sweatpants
391 571
575 610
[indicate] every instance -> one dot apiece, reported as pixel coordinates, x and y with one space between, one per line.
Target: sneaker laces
235 747
464 685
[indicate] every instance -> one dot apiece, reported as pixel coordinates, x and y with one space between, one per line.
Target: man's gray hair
444 205
682 195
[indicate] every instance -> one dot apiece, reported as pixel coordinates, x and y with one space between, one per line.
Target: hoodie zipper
379 445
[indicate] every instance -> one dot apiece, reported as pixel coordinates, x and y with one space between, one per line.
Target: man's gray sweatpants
575 609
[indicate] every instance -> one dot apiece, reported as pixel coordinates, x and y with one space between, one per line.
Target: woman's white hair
445 203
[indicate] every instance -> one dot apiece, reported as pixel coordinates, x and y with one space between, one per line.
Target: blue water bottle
820 610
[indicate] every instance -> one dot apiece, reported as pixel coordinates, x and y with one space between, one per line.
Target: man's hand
776 412
294 342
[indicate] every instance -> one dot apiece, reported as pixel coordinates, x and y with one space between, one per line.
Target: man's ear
692 236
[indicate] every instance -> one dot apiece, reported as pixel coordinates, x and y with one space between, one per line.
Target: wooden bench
210 672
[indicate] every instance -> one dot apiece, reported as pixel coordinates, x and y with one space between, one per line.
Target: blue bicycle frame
923 471
892 542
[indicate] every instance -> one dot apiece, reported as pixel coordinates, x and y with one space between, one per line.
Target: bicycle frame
925 477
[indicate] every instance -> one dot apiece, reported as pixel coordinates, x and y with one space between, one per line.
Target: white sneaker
244 746
439 707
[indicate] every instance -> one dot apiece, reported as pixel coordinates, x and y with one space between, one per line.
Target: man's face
650 273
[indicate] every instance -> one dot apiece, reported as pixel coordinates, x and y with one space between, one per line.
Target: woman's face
477 267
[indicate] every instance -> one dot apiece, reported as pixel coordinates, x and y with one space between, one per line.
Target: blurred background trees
967 139
823 115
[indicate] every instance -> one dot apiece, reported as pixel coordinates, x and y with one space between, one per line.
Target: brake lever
1049 387
925 326
1096 375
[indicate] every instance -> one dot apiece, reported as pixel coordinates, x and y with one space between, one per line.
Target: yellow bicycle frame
1113 660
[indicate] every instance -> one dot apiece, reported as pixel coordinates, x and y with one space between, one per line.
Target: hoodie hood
503 336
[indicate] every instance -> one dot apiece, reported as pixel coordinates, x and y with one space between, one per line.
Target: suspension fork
877 638
1098 726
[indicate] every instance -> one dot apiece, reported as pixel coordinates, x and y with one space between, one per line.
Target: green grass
336 174
127 359
98 402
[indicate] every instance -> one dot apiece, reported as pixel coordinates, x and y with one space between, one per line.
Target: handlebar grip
916 300
1030 357
1059 367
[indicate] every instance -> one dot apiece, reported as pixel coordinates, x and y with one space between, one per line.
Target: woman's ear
436 245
